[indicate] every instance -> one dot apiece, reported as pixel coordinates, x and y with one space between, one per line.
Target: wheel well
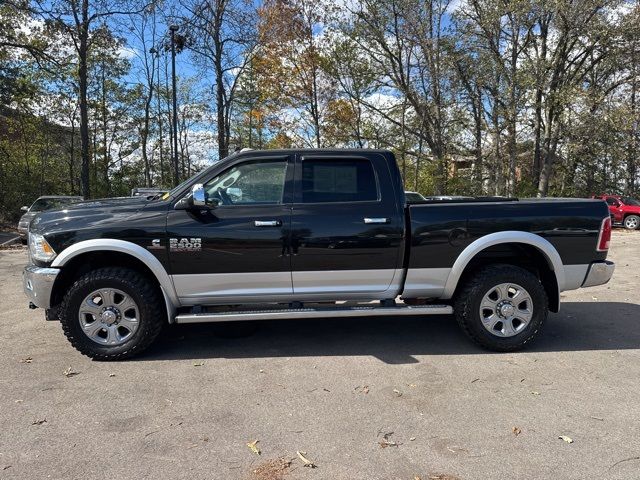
521 255
89 261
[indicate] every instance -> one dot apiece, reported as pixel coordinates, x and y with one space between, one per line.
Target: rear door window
338 180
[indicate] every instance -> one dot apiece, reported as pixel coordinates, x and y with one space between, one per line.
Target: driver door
235 251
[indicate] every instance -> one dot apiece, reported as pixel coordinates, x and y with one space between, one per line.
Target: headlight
40 248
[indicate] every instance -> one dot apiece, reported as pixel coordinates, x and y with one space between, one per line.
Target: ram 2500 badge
309 234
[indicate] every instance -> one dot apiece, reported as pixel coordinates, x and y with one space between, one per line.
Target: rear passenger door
347 228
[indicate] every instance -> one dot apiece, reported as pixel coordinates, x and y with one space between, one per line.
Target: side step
326 312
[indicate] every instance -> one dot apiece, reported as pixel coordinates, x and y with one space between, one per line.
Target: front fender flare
129 248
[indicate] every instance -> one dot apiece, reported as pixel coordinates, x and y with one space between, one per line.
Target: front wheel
112 313
502 307
632 222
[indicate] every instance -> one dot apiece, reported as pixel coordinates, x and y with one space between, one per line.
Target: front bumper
38 284
599 273
23 230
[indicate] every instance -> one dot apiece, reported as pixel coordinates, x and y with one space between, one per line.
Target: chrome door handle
376 220
267 223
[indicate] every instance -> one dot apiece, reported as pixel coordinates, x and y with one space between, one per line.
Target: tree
222 34
76 19
293 60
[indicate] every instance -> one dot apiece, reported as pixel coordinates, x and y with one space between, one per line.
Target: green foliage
526 97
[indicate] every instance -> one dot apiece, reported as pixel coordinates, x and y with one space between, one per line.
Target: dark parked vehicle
42 204
147 191
309 234
413 197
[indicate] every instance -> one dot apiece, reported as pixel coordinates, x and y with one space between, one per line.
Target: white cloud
127 52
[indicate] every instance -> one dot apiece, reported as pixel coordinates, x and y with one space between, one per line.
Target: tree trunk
83 50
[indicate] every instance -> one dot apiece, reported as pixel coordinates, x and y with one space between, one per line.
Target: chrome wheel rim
109 316
631 223
506 310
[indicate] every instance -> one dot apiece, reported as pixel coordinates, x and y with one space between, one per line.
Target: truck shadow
579 326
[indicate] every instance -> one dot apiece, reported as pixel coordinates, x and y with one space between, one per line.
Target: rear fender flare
543 245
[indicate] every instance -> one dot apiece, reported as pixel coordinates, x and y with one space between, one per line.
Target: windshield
43 204
630 201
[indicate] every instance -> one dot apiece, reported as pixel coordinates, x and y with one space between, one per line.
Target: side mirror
198 196
24 208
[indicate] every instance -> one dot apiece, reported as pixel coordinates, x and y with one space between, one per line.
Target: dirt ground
391 398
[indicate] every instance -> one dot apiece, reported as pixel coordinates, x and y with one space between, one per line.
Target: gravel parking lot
364 398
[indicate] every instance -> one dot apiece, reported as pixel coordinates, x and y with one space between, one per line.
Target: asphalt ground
391 398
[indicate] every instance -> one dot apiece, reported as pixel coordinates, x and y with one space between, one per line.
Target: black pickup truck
308 234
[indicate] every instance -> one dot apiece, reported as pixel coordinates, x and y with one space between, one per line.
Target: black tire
632 222
146 295
470 296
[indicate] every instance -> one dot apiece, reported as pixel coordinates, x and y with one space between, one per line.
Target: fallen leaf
412 385
112 375
516 431
198 364
261 371
387 442
412 439
19 401
364 389
39 421
26 360
416 477
566 439
305 460
535 393
70 373
397 392
253 446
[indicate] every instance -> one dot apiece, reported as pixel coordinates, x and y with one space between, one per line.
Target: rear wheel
112 313
502 307
632 222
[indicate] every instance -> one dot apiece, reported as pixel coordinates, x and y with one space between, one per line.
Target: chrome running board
326 312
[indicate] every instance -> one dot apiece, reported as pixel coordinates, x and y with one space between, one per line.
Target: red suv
624 210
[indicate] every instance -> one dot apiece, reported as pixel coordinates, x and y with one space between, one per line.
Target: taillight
605 235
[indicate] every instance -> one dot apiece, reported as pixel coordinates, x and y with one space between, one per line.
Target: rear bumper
599 273
38 284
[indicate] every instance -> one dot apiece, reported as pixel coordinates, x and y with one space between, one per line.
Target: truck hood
86 214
